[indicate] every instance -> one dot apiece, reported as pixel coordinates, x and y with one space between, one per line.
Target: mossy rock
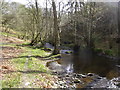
68 52
57 56
47 49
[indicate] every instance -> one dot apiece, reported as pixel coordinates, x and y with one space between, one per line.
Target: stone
83 76
90 74
61 82
77 81
48 45
78 75
74 86
67 75
66 51
99 77
68 82
27 83
118 85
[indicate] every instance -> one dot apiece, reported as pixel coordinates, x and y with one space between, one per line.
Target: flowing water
88 62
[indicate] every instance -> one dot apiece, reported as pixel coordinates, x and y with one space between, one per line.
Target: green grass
36 52
53 57
13 79
9 34
8 45
32 53
37 65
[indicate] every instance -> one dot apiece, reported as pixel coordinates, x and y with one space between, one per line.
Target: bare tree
56 30
118 28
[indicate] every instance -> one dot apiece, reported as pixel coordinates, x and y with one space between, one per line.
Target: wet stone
90 74
67 75
99 77
54 72
60 77
78 76
73 74
118 85
69 82
77 81
83 76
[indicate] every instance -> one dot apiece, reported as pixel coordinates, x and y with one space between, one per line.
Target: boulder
48 45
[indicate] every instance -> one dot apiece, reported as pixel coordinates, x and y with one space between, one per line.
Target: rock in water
102 83
77 81
69 68
90 74
48 45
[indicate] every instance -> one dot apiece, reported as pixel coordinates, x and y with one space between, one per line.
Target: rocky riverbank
68 79
89 80
74 80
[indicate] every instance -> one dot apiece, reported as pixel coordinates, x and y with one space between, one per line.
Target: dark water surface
88 62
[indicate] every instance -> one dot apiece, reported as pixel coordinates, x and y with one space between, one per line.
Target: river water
88 62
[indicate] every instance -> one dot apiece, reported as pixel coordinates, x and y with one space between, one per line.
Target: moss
68 52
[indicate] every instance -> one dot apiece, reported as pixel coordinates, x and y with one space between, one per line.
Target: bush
98 50
108 52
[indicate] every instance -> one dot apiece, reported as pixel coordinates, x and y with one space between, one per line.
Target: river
85 61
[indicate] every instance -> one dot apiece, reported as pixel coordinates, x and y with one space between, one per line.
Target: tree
119 28
56 30
34 23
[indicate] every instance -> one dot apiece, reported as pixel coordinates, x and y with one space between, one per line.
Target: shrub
108 52
98 50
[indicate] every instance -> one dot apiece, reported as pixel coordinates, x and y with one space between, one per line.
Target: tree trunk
90 40
56 30
119 28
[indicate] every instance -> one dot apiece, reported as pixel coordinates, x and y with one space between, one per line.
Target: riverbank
23 67
88 80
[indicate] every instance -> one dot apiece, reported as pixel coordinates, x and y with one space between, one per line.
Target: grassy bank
35 71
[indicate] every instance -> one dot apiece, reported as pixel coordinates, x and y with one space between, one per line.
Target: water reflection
86 61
